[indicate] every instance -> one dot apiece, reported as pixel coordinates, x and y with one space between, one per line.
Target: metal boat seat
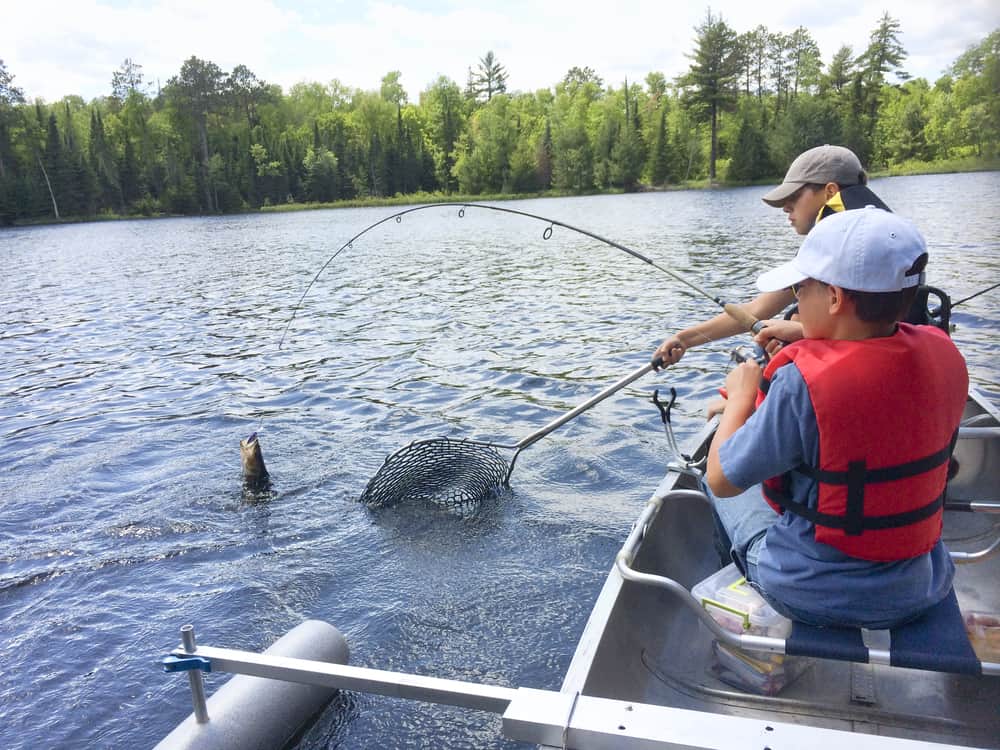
936 641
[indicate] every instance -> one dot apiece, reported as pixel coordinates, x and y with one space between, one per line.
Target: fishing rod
972 296
748 321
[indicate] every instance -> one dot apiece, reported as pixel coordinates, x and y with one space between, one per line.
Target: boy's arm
741 384
721 326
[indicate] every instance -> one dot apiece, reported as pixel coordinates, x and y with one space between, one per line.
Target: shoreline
906 169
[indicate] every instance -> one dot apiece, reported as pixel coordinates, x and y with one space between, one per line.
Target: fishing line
746 319
972 296
460 473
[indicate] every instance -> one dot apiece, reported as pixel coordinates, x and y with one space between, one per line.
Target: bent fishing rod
748 321
973 296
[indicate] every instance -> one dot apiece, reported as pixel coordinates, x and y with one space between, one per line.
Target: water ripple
136 355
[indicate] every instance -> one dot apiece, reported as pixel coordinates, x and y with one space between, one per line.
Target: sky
59 47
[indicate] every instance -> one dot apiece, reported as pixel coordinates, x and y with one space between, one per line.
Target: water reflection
137 354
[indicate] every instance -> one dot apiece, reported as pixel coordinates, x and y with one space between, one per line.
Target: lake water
135 355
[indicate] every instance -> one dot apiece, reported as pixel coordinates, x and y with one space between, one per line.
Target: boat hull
643 644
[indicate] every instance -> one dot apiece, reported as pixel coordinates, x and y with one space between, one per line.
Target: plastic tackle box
737 607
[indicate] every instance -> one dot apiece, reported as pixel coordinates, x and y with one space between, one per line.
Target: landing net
446 472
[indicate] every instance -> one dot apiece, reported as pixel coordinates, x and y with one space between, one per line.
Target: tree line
211 141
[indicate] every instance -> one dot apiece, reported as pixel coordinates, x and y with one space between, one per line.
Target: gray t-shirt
809 577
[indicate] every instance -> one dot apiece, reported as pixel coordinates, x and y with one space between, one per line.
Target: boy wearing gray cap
848 432
820 182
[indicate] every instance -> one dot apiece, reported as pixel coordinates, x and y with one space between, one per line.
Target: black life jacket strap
886 474
855 525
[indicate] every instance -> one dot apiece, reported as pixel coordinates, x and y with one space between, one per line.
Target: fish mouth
250 441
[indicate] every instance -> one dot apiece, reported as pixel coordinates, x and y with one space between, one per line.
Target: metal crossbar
546 717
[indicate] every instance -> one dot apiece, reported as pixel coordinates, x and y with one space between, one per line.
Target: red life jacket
887 410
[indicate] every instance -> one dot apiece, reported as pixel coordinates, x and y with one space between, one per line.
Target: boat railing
945 616
979 440
965 558
626 557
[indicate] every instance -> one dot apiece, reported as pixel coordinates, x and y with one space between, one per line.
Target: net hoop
442 471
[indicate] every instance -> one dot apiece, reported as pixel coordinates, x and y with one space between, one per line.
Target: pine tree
628 152
53 166
10 97
710 84
489 78
129 176
841 69
197 91
660 163
103 164
750 159
126 80
884 54
543 158
80 184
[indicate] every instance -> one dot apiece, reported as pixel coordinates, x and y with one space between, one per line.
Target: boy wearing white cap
849 433
820 182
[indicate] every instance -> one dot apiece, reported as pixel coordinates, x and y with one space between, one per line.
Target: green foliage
751 157
446 118
215 141
484 151
839 73
903 123
809 122
710 85
572 150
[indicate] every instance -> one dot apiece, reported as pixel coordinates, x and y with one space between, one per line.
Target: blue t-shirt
825 585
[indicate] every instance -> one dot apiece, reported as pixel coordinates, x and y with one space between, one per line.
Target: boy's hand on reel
778 333
742 382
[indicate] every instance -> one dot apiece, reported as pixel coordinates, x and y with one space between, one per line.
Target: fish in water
255 473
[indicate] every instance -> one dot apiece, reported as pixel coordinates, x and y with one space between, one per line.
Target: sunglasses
799 286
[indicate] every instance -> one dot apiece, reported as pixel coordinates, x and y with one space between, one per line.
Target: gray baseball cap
819 166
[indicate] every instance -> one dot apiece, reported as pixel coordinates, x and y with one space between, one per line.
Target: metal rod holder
194 677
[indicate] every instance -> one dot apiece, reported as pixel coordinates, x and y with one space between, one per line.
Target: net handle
592 401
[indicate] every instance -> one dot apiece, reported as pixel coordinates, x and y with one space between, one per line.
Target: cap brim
780 194
780 278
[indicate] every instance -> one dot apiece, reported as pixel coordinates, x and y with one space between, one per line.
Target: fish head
253 458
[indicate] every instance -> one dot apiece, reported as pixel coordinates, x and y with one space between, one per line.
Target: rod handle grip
745 319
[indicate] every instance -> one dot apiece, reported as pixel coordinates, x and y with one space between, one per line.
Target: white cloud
59 47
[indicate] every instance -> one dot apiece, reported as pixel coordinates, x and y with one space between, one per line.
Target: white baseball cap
865 250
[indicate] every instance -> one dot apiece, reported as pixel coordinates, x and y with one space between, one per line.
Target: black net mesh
442 471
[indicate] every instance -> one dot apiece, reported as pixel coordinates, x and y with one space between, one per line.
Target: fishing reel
754 353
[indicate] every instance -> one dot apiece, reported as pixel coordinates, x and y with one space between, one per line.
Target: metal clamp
194 666
665 418
185 663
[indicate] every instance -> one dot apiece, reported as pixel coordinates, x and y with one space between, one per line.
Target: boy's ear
831 189
838 299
